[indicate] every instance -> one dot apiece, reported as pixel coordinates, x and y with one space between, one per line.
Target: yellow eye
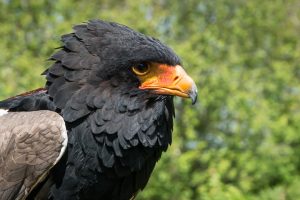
141 69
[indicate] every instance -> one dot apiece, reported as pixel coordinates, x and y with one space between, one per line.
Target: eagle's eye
141 69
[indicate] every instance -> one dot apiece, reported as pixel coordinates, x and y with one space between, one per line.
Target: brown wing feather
30 145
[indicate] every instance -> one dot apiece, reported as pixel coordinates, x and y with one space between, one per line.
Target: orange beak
169 80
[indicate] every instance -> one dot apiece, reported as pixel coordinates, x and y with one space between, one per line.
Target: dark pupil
142 67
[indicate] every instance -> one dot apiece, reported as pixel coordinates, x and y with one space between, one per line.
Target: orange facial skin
168 80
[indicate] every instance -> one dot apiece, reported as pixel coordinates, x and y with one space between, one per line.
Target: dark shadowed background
242 140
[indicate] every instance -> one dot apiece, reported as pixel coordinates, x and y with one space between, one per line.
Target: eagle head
102 51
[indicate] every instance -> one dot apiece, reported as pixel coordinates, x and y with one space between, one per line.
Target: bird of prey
101 122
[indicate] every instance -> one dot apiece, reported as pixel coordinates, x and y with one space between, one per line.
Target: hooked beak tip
193 94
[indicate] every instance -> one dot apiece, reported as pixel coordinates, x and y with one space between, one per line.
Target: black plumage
116 131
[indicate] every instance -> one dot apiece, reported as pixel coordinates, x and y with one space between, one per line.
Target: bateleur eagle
98 127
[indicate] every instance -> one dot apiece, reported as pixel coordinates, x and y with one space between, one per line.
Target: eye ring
141 69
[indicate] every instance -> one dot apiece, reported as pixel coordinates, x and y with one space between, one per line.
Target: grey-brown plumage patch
30 143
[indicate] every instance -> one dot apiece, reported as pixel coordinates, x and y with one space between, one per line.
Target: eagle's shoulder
31 143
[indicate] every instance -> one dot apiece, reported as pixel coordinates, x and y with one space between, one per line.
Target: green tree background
242 141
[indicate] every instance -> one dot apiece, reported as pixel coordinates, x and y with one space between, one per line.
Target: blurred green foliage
242 141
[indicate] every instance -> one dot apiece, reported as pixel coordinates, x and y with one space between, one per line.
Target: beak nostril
176 78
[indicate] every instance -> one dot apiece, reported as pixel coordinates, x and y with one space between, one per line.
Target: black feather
62 96
56 69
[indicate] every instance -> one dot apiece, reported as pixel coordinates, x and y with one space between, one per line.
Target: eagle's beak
170 80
